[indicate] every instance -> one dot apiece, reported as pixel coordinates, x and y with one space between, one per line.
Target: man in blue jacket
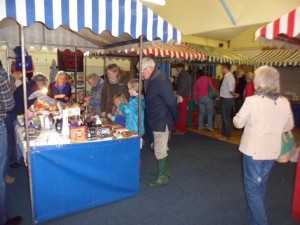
161 112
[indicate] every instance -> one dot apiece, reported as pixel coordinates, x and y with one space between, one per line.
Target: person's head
41 80
249 76
93 79
200 73
61 78
239 73
267 79
148 66
113 73
226 68
120 98
133 87
179 67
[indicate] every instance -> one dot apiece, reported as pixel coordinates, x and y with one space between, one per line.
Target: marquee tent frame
93 20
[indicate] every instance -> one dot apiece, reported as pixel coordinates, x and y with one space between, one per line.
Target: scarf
271 95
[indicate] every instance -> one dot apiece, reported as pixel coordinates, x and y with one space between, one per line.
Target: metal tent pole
26 118
140 85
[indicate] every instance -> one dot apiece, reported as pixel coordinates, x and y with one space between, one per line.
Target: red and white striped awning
282 32
159 50
174 51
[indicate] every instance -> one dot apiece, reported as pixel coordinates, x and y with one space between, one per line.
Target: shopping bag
288 147
28 63
211 93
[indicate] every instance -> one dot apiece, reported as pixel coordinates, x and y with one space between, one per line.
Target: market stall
68 177
285 32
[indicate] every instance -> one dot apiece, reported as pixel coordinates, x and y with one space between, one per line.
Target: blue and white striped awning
116 16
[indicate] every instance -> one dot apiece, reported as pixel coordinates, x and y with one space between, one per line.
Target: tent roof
278 57
221 55
282 32
83 23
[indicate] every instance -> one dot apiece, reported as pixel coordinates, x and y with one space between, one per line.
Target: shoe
177 132
14 220
16 165
9 179
223 138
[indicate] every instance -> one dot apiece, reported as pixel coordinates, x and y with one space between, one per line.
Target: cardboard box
78 134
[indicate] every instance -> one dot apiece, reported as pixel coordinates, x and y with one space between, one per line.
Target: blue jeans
256 174
227 105
3 157
206 108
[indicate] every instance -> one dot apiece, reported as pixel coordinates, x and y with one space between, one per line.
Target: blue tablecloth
73 177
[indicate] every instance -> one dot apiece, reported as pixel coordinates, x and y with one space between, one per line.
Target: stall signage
66 60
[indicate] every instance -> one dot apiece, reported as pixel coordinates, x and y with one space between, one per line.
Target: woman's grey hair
249 76
40 79
60 73
267 78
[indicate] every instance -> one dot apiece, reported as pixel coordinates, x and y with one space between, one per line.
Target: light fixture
157 2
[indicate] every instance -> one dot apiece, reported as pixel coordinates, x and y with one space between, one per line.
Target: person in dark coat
183 94
161 112
240 85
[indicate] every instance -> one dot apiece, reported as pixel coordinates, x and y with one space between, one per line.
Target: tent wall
290 79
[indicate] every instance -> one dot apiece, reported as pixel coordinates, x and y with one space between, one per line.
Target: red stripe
291 23
263 31
276 27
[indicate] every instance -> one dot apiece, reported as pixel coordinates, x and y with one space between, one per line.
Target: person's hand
109 116
59 96
86 103
87 98
236 95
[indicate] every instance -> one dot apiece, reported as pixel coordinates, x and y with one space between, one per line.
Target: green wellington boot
162 178
155 172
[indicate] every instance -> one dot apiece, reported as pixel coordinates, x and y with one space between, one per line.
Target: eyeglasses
144 69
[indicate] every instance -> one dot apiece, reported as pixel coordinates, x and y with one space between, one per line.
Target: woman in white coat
264 117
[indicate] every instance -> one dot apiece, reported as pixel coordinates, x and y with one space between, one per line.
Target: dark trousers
227 105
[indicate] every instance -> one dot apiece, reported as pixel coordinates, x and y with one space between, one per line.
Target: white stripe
2 10
170 32
102 16
57 13
283 24
21 12
178 37
73 15
127 20
88 14
40 10
297 22
139 19
150 25
160 25
115 18
269 31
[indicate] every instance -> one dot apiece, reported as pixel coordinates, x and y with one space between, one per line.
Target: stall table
68 178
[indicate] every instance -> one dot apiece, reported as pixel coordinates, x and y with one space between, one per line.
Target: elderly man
161 112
